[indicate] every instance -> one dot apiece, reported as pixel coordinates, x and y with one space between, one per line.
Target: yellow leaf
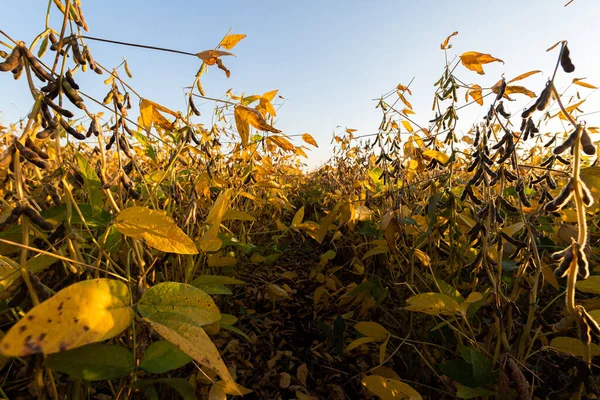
309 139
372 329
216 261
237 216
580 82
269 96
475 92
573 346
473 298
514 228
441 157
433 304
146 112
254 118
149 113
406 103
407 126
217 211
325 224
390 389
193 341
209 242
85 312
216 393
474 60
518 89
281 142
590 285
359 342
158 230
525 75
243 128
382 350
424 258
445 45
298 217
591 178
231 40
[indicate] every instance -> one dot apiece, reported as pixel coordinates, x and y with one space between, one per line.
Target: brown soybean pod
11 61
544 100
72 94
565 60
36 66
70 130
586 143
58 109
31 144
37 219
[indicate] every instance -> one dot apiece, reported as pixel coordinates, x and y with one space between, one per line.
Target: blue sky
328 58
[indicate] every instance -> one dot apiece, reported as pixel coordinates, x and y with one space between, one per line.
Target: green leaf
181 386
92 183
179 298
158 230
482 365
94 362
163 356
460 371
93 219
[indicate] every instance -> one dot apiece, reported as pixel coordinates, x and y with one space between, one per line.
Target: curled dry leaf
474 61
445 45
210 56
252 117
475 93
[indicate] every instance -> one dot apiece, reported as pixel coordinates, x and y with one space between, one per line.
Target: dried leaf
231 40
474 60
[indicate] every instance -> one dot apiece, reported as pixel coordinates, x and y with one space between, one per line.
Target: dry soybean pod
37 219
12 61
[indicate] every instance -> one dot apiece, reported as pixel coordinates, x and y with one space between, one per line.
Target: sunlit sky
328 58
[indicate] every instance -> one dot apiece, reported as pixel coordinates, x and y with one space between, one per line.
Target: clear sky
328 58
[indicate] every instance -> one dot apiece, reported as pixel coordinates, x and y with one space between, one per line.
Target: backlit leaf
254 118
474 60
445 45
372 329
179 298
475 92
192 340
590 285
523 76
441 157
85 312
580 82
390 389
573 346
231 40
309 139
158 230
433 304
